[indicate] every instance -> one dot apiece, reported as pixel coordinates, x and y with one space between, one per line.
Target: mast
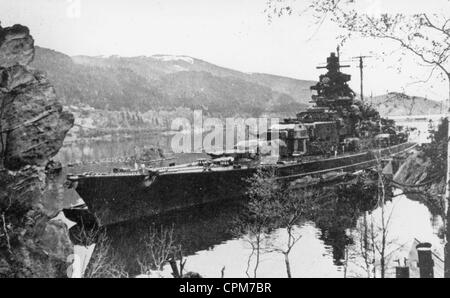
361 73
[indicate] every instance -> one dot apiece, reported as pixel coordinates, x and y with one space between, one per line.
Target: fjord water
206 234
209 244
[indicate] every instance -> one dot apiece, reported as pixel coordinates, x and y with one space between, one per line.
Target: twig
5 231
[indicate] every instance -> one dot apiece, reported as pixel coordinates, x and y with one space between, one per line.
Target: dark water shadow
194 229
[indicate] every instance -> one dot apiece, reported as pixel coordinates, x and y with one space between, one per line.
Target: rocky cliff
416 177
32 129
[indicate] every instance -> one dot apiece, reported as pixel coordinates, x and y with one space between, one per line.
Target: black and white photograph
233 140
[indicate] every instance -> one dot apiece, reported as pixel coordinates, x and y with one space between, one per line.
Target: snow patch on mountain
166 58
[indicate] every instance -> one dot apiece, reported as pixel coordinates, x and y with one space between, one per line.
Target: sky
231 33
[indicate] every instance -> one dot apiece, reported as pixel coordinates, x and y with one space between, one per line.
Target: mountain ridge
167 82
400 104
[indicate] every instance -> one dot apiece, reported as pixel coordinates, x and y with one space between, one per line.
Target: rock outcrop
32 129
413 170
16 46
420 183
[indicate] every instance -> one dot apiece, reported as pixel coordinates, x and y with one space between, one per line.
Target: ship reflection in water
206 233
209 244
207 238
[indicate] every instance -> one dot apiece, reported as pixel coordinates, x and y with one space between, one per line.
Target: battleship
337 135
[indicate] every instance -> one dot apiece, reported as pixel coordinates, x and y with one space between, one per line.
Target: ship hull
118 198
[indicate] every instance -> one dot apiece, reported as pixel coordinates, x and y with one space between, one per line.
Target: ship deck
196 168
